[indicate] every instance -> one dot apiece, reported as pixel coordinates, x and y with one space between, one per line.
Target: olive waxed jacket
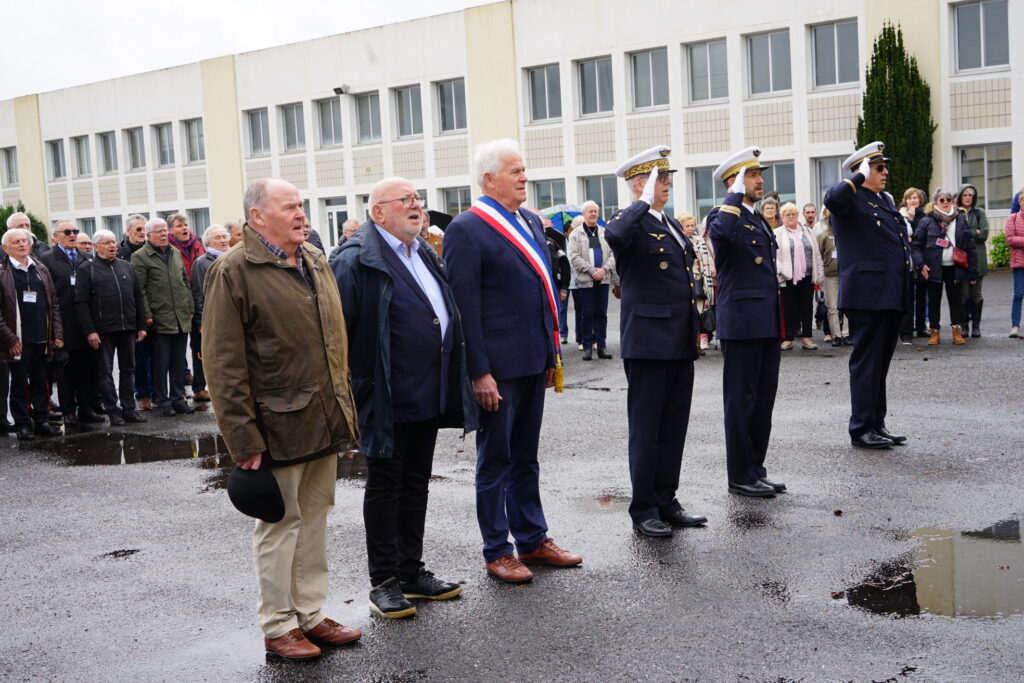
275 356
165 289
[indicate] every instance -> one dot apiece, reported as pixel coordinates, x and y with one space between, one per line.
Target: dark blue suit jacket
872 246
658 319
747 303
505 312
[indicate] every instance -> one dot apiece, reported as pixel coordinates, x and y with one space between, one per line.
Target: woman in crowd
1015 238
704 273
938 236
967 201
770 211
912 208
838 328
799 267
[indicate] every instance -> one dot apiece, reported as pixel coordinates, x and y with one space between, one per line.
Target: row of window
134 146
198 220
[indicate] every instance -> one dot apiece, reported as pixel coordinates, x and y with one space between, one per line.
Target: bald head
273 208
396 207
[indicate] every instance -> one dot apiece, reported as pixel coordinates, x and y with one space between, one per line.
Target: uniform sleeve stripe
850 183
730 209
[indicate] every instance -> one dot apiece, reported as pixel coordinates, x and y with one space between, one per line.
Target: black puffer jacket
125 249
108 297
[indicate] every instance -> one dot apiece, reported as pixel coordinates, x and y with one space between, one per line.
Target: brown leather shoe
292 646
509 570
958 337
330 632
934 339
550 554
145 404
201 395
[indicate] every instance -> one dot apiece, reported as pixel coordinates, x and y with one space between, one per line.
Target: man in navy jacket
500 271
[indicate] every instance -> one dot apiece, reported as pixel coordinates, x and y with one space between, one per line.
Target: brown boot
958 337
292 645
934 339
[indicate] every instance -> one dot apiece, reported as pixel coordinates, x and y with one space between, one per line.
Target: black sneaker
387 601
428 587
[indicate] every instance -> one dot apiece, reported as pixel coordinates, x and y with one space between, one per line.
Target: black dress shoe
870 439
116 420
132 416
45 429
70 421
922 334
587 353
26 433
886 434
182 408
755 490
680 518
777 485
655 528
7 427
167 411
837 341
603 354
89 416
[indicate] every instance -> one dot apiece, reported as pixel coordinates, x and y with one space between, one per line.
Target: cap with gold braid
872 152
731 166
645 162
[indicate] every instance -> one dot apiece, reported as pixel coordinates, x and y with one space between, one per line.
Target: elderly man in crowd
133 240
277 355
84 242
215 241
76 378
593 263
188 243
111 315
501 276
169 308
234 229
30 330
409 378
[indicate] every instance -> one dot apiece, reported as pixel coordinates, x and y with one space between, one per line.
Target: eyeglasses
943 200
881 167
68 233
408 201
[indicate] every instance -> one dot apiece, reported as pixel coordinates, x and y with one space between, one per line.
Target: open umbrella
439 218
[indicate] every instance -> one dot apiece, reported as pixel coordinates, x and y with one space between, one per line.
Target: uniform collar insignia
657 235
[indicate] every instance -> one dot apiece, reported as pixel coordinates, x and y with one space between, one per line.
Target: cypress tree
897 110
38 227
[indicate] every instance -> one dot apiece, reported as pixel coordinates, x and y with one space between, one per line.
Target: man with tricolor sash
499 270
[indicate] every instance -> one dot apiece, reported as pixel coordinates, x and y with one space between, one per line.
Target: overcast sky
53 44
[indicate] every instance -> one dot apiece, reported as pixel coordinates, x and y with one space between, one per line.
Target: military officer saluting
658 325
874 286
747 312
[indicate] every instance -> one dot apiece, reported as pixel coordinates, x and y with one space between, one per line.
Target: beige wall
492 108
223 139
31 169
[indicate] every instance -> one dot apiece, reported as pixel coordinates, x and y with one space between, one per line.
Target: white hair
101 235
487 158
208 233
15 216
14 232
62 221
154 223
590 203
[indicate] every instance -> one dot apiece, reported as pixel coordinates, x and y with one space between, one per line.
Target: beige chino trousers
836 320
291 555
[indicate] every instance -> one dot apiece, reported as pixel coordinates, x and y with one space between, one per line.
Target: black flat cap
255 493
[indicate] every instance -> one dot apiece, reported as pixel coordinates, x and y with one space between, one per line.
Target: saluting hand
864 168
652 181
738 184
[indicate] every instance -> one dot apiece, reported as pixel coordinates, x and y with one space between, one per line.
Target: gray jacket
581 258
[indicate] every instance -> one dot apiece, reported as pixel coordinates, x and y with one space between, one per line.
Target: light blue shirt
410 258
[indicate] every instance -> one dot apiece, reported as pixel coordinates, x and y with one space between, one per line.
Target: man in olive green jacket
169 310
275 352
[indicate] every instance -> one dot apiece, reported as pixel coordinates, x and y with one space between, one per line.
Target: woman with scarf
967 202
703 272
799 268
944 254
215 239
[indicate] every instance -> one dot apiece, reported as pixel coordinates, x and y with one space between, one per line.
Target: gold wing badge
656 235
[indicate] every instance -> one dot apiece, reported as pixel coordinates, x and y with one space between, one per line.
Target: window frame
771 169
132 137
84 223
372 96
837 85
535 192
198 226
955 23
158 144
194 156
78 144
106 145
52 160
439 95
459 189
772 91
337 133
114 224
984 196
544 69
649 53
396 99
688 56
9 167
263 116
294 112
817 163
581 64
608 207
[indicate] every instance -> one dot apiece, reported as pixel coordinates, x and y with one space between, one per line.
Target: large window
87 225
136 149
9 166
780 178
163 135
595 77
368 116
545 93
195 141
451 105
768 62
55 155
982 35
329 113
650 78
602 189
114 224
835 53
83 160
709 78
259 132
988 169
199 220
827 172
107 144
456 200
409 111
707 194
293 127
548 193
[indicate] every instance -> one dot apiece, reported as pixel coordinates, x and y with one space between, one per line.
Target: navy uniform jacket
504 305
747 301
658 319
872 246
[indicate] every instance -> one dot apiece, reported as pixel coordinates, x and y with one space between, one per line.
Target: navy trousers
658 406
875 334
507 472
750 379
594 311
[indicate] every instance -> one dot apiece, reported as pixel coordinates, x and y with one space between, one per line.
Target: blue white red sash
506 225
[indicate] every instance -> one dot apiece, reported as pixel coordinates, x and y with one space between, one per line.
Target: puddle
951 573
607 501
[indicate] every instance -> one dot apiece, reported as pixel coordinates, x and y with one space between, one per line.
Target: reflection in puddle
959 574
607 501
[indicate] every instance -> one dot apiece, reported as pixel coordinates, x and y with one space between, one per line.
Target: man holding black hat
874 286
282 400
658 325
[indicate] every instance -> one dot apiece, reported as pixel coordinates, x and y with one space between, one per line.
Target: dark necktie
672 231
73 255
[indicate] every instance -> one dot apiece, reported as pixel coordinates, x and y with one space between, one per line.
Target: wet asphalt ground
140 569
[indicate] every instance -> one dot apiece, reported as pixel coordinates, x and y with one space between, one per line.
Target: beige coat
784 256
276 356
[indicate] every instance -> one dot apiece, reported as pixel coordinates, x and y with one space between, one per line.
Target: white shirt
671 229
410 258
947 253
17 265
